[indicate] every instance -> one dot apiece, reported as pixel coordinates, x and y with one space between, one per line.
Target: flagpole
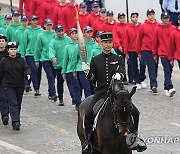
127 10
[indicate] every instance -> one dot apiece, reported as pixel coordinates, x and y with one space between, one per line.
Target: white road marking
15 148
175 124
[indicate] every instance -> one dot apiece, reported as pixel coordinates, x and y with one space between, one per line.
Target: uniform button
106 62
106 58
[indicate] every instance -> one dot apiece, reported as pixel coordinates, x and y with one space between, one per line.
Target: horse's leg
80 129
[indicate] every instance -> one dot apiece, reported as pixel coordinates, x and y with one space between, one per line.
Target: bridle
117 104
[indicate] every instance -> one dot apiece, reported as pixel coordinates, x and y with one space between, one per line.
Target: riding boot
135 142
141 145
87 146
136 123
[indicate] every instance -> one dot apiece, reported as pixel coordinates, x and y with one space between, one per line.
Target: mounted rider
103 68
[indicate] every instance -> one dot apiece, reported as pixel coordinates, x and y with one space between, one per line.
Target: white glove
118 76
85 68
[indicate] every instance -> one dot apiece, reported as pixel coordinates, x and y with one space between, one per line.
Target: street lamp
11 5
127 10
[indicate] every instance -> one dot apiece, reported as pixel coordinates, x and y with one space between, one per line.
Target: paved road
50 129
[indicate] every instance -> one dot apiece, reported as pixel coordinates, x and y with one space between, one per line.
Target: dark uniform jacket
13 71
3 53
102 68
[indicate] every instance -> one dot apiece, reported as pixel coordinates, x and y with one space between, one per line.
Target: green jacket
1 21
68 58
89 47
42 45
10 31
3 29
30 39
19 40
98 50
57 49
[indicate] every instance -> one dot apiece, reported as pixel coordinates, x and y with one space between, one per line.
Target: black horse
113 123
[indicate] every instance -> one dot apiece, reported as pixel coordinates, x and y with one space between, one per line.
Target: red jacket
107 26
68 17
146 35
119 34
161 39
92 18
25 4
35 8
47 10
97 26
130 41
82 20
174 49
57 14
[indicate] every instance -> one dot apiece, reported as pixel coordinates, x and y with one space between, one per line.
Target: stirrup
87 147
141 146
135 143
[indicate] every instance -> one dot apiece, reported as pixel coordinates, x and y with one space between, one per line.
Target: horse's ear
132 91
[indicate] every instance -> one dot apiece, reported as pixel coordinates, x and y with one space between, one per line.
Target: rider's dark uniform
102 68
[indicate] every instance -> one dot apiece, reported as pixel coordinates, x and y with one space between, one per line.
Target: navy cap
178 17
102 10
72 30
59 28
24 18
82 5
12 45
165 14
87 29
98 34
95 4
121 14
15 12
109 13
106 36
48 22
134 13
8 16
33 17
3 37
150 11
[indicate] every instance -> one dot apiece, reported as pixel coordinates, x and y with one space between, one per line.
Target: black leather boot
141 145
87 147
135 142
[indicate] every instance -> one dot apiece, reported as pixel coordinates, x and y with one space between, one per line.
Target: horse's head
122 105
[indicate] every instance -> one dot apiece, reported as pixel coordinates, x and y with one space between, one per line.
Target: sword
81 42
